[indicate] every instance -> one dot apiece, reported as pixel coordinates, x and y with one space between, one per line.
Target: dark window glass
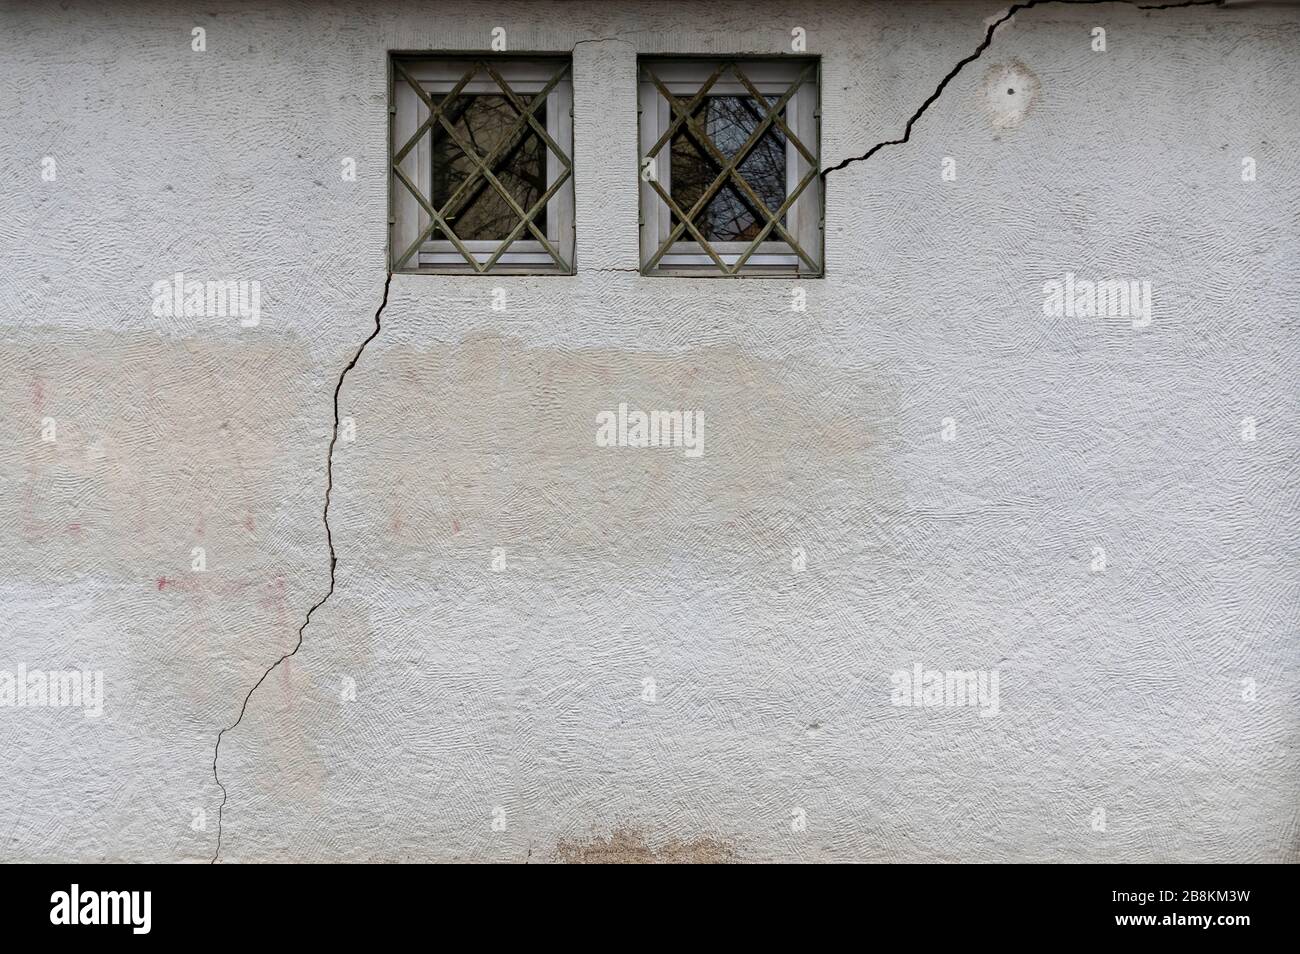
484 123
730 215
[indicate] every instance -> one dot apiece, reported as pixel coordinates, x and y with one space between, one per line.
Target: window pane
484 123
729 121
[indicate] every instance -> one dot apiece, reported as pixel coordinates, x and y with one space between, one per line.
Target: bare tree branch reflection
485 122
729 121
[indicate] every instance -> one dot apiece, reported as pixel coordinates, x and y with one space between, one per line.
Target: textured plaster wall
517 695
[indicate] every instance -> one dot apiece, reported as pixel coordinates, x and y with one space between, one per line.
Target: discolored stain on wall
626 846
773 434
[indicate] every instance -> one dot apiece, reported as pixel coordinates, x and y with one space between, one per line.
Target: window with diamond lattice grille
480 166
730 174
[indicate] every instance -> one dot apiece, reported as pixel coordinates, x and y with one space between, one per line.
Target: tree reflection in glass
729 121
484 123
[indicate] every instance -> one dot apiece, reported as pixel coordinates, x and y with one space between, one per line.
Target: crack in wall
329 540
979 51
329 459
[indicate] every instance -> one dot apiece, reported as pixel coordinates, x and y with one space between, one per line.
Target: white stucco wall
521 690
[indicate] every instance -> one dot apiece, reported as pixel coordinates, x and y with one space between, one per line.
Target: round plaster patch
1010 90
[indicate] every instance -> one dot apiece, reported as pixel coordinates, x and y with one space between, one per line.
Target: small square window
480 162
730 171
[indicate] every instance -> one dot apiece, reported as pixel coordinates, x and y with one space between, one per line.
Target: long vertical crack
329 539
979 51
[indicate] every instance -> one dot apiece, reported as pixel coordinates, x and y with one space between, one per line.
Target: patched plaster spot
1010 91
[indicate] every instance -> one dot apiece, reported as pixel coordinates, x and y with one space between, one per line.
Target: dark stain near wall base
625 846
